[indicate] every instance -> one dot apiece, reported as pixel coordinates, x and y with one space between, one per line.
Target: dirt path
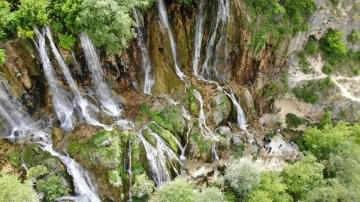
316 63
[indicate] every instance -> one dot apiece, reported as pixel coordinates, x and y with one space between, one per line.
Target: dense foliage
13 190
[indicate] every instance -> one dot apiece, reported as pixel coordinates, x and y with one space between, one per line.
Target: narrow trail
317 64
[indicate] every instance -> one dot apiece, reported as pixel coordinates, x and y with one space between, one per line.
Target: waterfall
214 151
199 32
157 162
84 187
60 100
83 104
130 170
241 119
162 146
210 67
102 90
205 131
165 20
148 80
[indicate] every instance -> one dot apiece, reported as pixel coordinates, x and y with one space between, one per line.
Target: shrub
143 186
311 46
292 121
66 41
178 190
332 45
306 94
51 186
354 37
114 178
242 178
210 194
326 69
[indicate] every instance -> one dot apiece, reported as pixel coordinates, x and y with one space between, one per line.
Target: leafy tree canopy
13 190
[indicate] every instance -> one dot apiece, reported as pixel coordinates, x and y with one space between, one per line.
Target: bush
332 45
66 41
114 178
305 94
292 121
51 186
242 178
354 37
143 186
311 46
210 194
326 69
13 190
178 190
31 13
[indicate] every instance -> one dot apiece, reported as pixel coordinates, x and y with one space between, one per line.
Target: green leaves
2 57
242 178
13 190
32 13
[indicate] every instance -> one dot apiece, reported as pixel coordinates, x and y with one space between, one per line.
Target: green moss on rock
165 135
170 119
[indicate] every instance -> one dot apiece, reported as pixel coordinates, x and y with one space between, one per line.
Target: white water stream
148 78
109 105
165 20
85 107
60 100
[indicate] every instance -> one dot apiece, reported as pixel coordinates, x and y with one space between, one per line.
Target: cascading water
205 131
84 187
84 105
199 32
60 101
210 66
241 119
102 90
165 20
130 170
162 146
157 162
148 80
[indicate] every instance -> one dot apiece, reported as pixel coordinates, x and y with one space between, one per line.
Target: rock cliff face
124 72
245 70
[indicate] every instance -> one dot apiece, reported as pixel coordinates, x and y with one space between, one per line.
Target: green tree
107 23
13 190
321 142
52 186
6 17
332 191
31 13
303 176
175 191
143 186
332 44
271 187
210 194
242 178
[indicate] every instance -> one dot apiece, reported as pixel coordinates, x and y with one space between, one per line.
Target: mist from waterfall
60 100
165 21
109 105
213 58
148 78
30 133
85 107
